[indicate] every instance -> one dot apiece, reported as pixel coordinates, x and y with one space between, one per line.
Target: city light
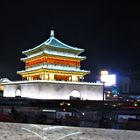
104 72
108 79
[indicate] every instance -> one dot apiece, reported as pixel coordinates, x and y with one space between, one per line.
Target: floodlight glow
108 95
104 72
109 80
83 113
104 78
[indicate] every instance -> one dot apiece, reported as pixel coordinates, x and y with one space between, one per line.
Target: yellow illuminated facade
1 87
54 61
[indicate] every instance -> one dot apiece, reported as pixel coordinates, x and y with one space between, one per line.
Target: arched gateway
75 94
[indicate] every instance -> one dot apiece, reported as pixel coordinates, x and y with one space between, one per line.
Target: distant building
130 83
125 85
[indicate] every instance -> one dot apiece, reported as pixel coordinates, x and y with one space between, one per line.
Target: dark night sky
108 31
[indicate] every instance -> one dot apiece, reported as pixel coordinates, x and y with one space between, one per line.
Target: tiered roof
55 48
54 43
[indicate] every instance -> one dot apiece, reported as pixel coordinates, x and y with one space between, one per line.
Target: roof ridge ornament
52 33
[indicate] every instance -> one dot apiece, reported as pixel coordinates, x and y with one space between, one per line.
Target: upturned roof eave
77 57
49 43
30 50
60 44
79 71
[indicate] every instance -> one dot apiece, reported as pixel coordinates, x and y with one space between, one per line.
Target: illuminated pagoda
53 61
52 71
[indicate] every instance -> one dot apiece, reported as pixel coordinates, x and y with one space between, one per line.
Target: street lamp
103 79
103 91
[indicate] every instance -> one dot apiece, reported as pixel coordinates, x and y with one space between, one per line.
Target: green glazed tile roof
52 41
